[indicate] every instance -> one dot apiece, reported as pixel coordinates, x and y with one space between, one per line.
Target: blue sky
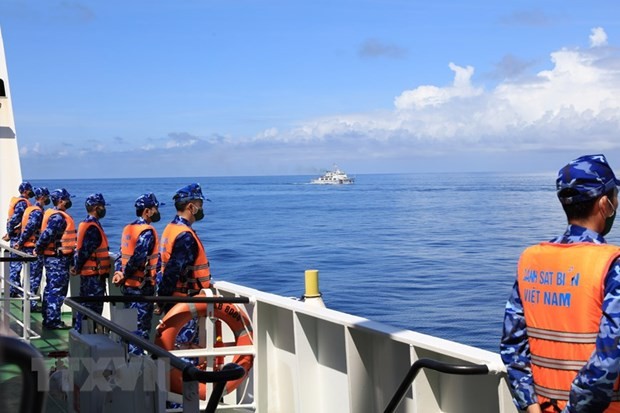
211 88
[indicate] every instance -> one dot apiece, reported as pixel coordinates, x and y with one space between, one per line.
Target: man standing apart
17 206
56 245
185 267
138 263
30 231
91 260
562 320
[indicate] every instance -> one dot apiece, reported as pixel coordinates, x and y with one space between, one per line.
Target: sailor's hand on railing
118 278
6 237
72 271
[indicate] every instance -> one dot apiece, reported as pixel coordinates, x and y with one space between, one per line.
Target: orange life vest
129 240
562 287
14 201
33 238
199 273
99 261
67 243
12 204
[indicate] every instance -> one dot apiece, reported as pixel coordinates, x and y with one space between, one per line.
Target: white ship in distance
333 177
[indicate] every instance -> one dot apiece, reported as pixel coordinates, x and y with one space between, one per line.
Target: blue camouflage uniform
33 227
56 267
12 229
592 389
145 244
90 286
184 253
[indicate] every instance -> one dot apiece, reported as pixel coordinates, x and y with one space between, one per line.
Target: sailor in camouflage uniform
16 211
91 260
138 263
56 245
562 328
30 231
185 267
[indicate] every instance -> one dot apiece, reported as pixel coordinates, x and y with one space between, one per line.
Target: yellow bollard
312 293
312 284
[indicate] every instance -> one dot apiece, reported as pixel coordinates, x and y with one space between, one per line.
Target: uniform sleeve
593 387
16 219
92 239
32 226
515 352
144 245
56 226
183 254
117 261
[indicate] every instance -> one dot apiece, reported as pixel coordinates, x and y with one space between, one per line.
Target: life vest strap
551 403
143 280
198 280
198 267
96 267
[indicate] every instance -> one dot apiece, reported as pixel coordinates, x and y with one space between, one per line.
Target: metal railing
192 376
27 333
472 369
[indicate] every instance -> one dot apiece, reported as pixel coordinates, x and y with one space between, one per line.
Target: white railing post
26 300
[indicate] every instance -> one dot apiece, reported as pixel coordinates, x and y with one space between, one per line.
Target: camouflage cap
40 191
58 194
148 200
95 199
25 186
590 176
188 193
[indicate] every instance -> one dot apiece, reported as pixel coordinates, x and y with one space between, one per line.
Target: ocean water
434 253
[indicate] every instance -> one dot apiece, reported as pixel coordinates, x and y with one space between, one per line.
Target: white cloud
429 95
574 104
598 37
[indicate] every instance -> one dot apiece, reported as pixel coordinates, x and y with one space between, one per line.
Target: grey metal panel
6 133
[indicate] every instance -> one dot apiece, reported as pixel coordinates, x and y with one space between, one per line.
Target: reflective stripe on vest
68 241
99 261
33 237
196 276
561 287
561 336
129 239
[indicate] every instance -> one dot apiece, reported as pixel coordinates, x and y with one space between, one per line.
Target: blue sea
434 253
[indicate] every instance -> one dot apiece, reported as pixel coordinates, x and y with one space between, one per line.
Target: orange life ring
230 314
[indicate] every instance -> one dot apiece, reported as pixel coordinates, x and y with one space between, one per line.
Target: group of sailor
175 265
